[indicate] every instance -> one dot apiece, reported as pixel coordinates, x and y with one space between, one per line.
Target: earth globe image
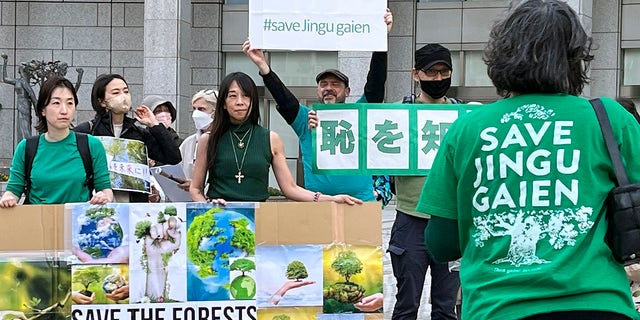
112 282
99 232
212 238
243 288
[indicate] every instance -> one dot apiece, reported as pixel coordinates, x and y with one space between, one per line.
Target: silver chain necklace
239 166
241 144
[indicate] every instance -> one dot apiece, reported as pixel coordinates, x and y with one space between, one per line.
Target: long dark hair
221 122
99 89
540 47
44 97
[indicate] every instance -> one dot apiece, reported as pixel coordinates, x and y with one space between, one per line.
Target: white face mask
201 119
119 104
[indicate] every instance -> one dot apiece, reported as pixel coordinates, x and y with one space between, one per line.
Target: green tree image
243 265
281 317
243 287
137 152
202 227
116 148
100 212
340 297
243 237
85 277
347 264
297 270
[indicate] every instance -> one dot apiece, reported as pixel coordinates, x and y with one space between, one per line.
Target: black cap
334 72
432 54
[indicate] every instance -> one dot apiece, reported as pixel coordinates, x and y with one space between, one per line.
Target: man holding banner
409 257
333 87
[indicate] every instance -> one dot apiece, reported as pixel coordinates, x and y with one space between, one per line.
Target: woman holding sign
111 100
237 153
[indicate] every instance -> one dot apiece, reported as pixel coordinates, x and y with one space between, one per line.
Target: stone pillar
402 47
606 66
167 42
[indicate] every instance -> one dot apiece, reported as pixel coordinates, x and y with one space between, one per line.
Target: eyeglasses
433 72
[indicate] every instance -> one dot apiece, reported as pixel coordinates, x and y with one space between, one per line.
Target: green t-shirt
408 188
57 171
526 178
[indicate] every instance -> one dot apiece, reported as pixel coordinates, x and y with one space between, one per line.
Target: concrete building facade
174 48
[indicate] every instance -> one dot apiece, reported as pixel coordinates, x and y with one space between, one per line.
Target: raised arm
288 104
158 139
377 77
5 79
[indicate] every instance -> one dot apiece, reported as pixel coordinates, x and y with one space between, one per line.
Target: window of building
631 67
299 68
475 70
457 69
238 61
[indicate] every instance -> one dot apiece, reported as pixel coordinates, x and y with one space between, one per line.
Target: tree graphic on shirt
559 227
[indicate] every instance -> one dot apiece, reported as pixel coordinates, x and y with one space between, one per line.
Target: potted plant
85 277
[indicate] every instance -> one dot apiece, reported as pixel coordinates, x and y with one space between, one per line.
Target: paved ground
388 215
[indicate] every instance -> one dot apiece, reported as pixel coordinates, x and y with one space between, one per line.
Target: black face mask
436 89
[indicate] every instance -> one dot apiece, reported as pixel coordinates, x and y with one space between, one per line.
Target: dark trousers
410 261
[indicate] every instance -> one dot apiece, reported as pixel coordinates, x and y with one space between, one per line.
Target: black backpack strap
82 141
610 141
29 154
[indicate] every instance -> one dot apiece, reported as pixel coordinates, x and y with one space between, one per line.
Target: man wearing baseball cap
409 257
333 87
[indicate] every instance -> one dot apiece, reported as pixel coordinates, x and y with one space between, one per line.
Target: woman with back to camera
56 176
518 188
111 100
238 152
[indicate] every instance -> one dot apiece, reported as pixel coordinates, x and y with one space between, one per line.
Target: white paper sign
327 25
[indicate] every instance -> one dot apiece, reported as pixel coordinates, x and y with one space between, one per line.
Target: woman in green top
519 187
237 153
55 175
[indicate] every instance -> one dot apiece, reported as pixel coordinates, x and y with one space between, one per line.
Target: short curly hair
540 47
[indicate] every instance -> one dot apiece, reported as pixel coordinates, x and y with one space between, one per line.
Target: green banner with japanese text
380 138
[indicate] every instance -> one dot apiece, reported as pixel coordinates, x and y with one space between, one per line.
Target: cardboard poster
191 261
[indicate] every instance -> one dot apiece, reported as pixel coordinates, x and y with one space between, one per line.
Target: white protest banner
327 25
380 138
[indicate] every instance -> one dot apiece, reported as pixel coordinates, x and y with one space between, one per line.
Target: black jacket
160 144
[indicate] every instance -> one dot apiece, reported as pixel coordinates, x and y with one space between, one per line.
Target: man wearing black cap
409 258
333 87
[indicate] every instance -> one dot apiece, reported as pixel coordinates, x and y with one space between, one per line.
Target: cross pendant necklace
241 145
239 176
